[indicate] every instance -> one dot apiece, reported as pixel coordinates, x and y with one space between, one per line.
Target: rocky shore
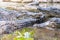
46 20
11 20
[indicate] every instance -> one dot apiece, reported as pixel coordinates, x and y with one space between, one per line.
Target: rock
47 25
57 22
16 0
43 0
51 24
9 14
17 15
50 11
34 3
7 26
27 1
10 26
32 6
27 7
56 0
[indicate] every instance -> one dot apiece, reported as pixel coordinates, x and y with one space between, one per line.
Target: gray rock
10 26
51 24
9 14
47 25
50 11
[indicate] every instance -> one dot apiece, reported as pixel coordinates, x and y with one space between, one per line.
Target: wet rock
8 14
29 8
50 11
57 21
48 25
34 3
28 14
7 26
52 24
10 26
16 1
17 15
32 7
